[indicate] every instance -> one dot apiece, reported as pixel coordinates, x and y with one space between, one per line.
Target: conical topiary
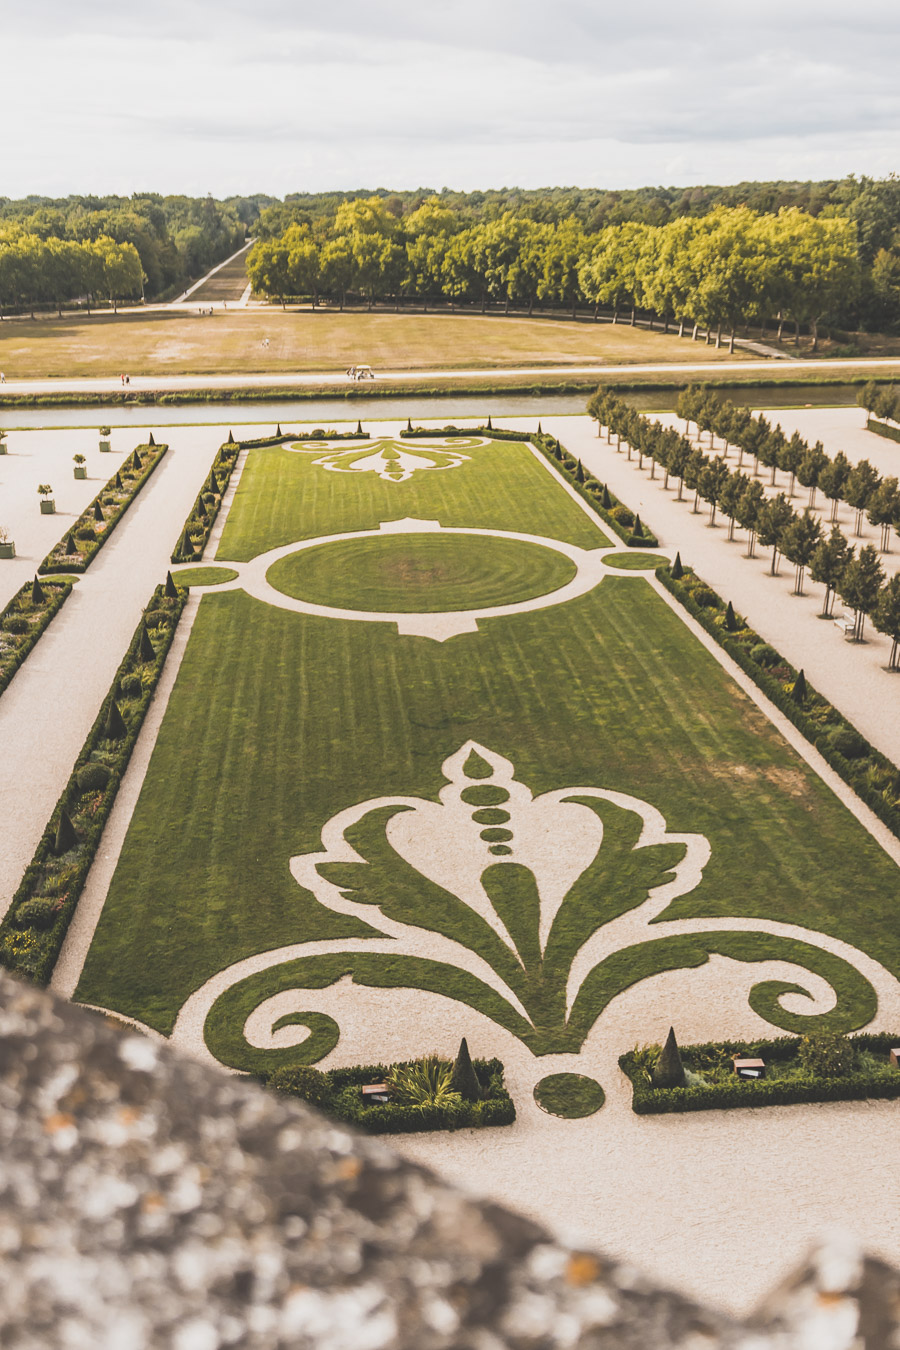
118 480
212 484
114 727
150 440
539 432
66 836
278 430
464 1079
668 1071
677 569
359 430
171 589
489 427
37 592
71 546
186 547
637 528
231 440
409 424
146 651
606 499
731 622
579 472
137 461
98 511
799 690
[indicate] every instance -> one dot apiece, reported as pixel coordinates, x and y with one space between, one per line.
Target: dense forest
53 251
708 255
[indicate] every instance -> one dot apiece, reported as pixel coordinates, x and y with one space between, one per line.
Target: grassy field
278 721
283 496
290 719
421 573
228 284
183 342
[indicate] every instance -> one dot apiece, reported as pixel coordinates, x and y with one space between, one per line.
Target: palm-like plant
424 1084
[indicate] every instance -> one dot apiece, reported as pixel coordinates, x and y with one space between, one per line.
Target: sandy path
49 707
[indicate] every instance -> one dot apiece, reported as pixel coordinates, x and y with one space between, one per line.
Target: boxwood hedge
14 647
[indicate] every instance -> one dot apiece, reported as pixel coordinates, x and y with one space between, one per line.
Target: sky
284 96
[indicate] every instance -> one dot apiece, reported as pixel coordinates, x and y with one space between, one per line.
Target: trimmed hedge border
882 429
567 465
857 773
31 951
59 561
11 660
347 1105
736 1093
197 526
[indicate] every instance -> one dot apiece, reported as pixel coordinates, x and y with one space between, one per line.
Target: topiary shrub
847 742
156 618
86 532
622 516
92 777
38 912
668 1071
703 596
16 623
311 1085
827 1054
764 655
132 686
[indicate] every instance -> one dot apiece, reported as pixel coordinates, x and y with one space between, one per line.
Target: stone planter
48 507
104 447
8 550
3 449
80 471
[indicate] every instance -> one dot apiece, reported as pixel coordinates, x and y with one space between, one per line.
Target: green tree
775 516
811 465
833 478
886 617
749 507
860 584
798 543
883 509
828 563
862 481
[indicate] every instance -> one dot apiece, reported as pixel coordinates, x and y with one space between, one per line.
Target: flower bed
712 1083
339 1096
98 520
871 775
33 930
23 621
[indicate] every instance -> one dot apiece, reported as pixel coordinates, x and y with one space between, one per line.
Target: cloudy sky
287 95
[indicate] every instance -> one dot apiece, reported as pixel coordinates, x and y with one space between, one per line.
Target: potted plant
80 470
3 450
7 547
104 439
48 505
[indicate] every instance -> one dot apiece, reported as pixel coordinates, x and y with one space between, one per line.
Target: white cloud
292 95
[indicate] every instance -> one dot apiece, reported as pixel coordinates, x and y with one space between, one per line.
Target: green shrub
703 596
847 742
423 1084
827 1054
16 624
92 777
85 532
311 1085
38 912
132 686
764 655
623 516
156 618
116 497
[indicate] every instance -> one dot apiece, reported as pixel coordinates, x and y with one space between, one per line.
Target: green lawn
636 562
284 495
421 573
290 719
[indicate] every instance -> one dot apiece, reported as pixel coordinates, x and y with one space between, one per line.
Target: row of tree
880 400
729 267
857 577
176 238
55 271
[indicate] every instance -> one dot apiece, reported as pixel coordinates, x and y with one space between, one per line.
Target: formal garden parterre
525 819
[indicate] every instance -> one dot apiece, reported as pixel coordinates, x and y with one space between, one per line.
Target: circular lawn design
570 1095
205 576
635 562
421 573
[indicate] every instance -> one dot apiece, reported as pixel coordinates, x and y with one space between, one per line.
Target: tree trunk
859 516
665 323
895 647
886 538
708 336
834 511
756 466
632 316
740 455
828 593
530 306
731 529
574 307
731 343
696 507
796 333
798 580
712 515
681 328
780 326
791 489
652 468
814 325
679 498
718 337
666 481
772 570
751 543
506 310
483 303
812 496
772 479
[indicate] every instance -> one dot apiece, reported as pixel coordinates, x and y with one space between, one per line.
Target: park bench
846 623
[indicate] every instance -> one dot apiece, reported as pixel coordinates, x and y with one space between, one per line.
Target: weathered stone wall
146 1201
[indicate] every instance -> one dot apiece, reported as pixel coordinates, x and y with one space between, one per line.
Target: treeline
871 205
176 239
880 400
729 267
858 578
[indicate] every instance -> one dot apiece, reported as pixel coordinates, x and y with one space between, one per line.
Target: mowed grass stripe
415 574
284 496
278 721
